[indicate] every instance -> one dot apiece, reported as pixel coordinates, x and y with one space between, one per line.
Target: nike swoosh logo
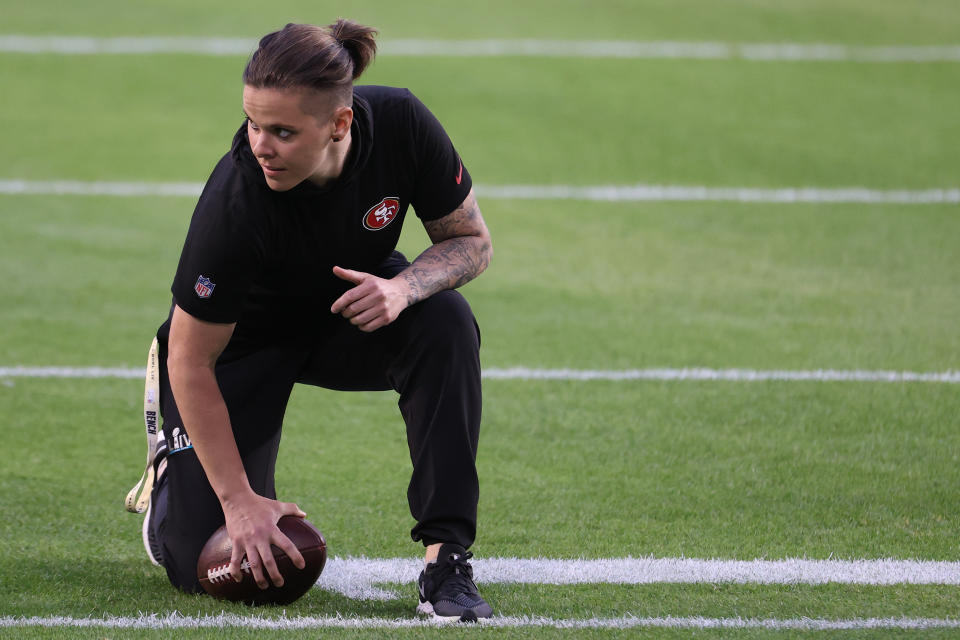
460 173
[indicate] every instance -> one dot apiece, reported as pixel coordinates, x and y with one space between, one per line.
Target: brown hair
308 56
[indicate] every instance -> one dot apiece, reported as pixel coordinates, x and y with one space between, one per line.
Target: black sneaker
447 590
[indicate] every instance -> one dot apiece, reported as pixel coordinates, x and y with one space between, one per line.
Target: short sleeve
218 261
442 181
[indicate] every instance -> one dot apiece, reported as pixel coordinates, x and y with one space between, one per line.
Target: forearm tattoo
461 251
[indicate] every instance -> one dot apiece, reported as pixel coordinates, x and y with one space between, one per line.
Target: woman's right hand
193 350
252 527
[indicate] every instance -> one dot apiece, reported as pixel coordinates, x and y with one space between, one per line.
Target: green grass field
570 469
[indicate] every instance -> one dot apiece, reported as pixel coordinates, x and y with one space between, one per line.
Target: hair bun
358 40
306 55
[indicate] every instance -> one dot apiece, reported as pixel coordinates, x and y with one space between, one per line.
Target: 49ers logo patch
381 214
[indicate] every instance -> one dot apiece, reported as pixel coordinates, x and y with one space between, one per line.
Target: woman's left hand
373 303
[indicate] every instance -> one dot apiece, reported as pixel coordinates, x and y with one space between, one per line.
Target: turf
853 21
568 469
770 470
667 634
514 120
615 285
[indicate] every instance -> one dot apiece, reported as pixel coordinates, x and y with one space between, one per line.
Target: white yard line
230 621
598 193
672 193
526 373
73 372
358 577
732 375
80 188
629 49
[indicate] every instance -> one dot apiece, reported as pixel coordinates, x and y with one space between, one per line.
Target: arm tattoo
461 251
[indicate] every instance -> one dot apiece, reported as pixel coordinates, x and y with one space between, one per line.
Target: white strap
151 416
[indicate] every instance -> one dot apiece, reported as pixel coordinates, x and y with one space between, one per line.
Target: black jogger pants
429 355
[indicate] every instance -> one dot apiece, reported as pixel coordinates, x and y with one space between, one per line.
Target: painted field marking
120 189
600 193
732 375
231 621
626 49
357 577
669 193
526 373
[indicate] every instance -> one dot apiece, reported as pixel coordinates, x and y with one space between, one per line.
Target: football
213 567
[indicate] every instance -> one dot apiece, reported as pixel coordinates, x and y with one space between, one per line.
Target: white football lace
222 572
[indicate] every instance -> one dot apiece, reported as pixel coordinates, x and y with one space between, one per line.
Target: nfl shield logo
204 287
